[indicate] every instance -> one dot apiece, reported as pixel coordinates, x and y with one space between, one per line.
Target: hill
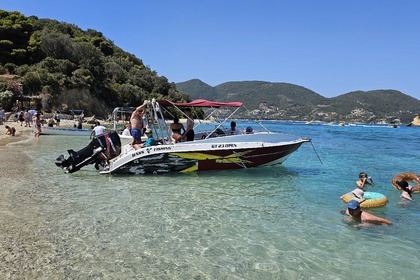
198 89
292 102
49 65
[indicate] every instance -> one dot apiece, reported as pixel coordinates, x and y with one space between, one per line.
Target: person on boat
233 130
249 130
176 129
37 123
97 130
189 132
150 140
127 130
406 190
364 180
10 130
353 210
136 121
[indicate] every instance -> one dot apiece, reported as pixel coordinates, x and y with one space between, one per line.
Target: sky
329 46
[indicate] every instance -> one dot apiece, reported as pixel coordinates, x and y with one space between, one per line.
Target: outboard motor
101 149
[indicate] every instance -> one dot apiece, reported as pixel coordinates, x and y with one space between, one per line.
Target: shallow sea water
280 222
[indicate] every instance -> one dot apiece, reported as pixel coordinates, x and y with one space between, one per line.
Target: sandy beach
12 159
22 133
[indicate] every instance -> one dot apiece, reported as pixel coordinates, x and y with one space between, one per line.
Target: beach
278 222
12 159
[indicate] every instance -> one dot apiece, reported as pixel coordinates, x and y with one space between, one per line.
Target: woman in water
406 190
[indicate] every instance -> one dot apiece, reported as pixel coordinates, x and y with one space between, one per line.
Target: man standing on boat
136 121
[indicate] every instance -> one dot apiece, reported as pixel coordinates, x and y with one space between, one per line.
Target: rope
316 152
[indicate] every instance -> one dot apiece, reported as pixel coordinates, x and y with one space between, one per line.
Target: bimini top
199 103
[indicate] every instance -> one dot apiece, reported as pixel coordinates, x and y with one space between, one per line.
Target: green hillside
198 89
288 102
61 66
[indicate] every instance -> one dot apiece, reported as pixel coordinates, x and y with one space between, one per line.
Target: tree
57 45
6 99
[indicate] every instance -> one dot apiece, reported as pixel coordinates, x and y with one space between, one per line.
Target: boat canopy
199 103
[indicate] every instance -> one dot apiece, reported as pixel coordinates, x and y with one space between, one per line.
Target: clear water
281 222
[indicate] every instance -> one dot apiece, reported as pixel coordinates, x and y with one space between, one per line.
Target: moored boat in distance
70 131
213 149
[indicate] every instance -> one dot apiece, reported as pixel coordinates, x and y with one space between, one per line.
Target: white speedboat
211 150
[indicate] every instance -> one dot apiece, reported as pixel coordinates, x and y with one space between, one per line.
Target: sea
277 222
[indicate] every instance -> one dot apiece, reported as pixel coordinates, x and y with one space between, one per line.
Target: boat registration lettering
162 148
224 146
137 153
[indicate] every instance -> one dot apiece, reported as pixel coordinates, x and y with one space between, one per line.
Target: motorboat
212 149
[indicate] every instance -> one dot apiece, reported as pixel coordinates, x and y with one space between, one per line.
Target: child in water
406 190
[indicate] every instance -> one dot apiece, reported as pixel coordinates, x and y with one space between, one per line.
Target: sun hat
358 192
148 131
353 204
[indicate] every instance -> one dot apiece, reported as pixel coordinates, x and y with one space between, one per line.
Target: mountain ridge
286 101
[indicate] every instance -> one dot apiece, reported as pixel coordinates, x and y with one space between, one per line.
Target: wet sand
12 159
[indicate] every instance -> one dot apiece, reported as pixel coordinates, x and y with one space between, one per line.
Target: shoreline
22 133
13 159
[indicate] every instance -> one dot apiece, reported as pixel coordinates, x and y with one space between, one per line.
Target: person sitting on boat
406 190
127 130
150 140
136 121
233 130
249 130
97 130
353 210
10 130
176 129
364 180
189 132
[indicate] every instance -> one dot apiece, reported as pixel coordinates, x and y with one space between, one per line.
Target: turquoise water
279 222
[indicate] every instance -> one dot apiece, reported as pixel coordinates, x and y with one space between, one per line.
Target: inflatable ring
373 199
409 177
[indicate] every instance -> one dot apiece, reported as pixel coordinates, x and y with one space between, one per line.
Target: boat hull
165 159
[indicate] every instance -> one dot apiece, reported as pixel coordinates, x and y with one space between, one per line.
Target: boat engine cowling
99 151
